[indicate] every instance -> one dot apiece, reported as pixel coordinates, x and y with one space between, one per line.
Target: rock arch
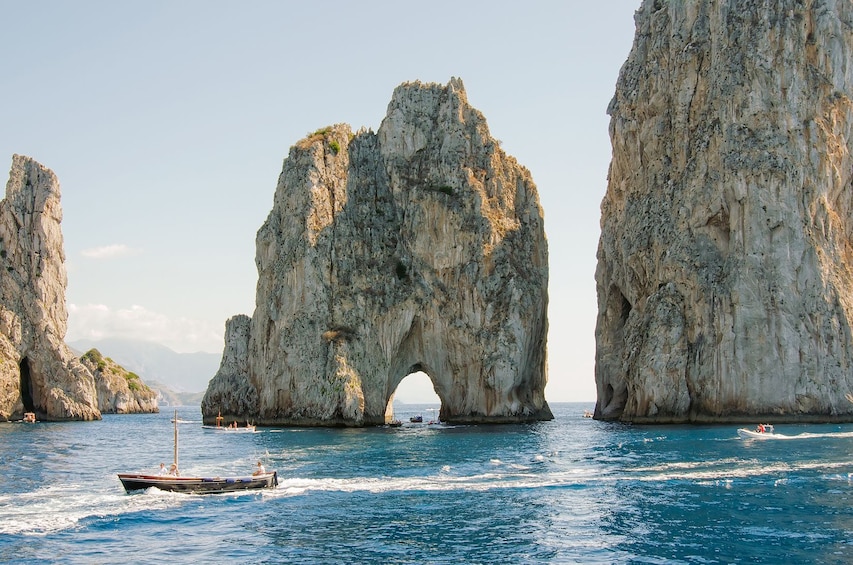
419 245
394 384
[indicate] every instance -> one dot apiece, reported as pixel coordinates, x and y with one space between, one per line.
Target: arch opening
26 384
414 397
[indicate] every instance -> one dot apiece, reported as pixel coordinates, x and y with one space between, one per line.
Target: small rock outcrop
231 392
38 372
725 264
420 247
119 390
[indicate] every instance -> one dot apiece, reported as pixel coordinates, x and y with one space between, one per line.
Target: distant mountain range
154 363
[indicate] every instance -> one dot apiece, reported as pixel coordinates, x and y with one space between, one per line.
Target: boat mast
176 439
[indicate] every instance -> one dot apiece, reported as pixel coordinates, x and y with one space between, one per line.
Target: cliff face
419 247
724 277
231 392
38 372
119 390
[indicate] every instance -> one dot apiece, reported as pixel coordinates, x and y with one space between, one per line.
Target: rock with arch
38 372
419 247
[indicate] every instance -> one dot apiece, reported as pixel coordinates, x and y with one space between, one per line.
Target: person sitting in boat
173 470
163 470
760 429
260 470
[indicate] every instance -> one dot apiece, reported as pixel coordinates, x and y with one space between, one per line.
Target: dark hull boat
197 485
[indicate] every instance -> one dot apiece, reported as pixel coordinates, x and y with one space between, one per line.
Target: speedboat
761 431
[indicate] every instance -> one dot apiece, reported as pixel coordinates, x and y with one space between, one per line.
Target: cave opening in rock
26 386
416 388
415 396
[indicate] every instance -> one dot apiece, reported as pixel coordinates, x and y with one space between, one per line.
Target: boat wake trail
804 435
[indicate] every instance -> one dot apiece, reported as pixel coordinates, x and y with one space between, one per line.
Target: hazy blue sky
166 123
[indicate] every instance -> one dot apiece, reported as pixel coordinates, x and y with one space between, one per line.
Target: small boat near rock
232 427
247 429
29 418
761 431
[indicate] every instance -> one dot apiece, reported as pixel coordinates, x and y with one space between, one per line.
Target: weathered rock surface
119 390
38 372
724 266
231 393
418 247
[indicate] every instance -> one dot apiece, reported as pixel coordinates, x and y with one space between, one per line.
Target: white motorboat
761 431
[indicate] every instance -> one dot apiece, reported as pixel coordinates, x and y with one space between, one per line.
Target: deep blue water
566 491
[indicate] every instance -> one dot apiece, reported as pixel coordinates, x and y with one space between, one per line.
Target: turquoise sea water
568 491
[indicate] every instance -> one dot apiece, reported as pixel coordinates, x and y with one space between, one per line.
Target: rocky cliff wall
119 391
38 372
231 393
724 265
418 247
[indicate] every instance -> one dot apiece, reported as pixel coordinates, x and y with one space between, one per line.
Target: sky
166 123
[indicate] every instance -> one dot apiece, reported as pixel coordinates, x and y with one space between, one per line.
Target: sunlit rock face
418 247
724 265
38 372
231 394
119 390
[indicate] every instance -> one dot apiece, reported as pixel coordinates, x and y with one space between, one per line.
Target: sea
572 490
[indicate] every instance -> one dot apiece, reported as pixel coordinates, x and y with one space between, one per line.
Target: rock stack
38 372
725 264
419 247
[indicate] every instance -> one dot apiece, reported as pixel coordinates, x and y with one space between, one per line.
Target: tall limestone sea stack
420 247
725 265
38 372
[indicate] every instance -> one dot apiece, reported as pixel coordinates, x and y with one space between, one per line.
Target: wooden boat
198 485
232 428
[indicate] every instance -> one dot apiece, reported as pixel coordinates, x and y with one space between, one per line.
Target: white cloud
97 321
108 251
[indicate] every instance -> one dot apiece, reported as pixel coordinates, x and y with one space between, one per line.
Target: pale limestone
419 247
724 265
119 390
38 372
